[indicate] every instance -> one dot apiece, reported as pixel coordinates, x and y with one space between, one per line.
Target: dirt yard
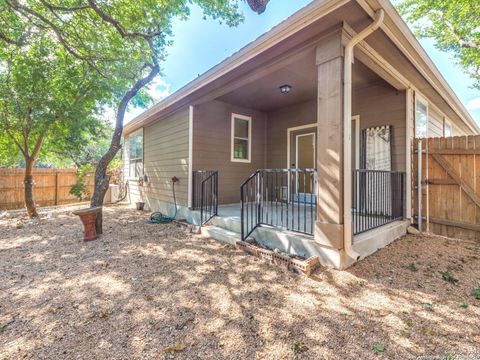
153 291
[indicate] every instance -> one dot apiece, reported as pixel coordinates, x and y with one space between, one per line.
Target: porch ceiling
264 94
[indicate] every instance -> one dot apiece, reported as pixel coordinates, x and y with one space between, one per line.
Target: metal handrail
209 198
273 197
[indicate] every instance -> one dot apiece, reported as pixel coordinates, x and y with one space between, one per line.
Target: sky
200 44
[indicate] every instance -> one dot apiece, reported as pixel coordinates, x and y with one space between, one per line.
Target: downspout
347 131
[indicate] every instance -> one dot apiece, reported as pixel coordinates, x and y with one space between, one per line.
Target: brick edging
302 266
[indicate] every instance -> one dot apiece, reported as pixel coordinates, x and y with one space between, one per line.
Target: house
258 142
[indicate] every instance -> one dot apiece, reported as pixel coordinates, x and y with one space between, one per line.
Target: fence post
56 187
419 184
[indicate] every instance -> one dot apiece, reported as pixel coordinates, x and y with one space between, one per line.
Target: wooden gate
449 186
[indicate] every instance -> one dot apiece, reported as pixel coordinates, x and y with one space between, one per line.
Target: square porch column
329 60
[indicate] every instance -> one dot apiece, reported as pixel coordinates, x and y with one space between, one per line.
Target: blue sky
200 44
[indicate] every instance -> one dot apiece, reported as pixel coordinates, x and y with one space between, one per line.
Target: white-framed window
447 128
135 154
421 117
241 138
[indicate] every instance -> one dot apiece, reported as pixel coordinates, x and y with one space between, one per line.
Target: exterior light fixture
285 89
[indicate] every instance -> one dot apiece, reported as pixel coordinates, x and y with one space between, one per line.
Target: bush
81 190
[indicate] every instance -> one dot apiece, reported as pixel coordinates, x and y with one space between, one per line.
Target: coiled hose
159 218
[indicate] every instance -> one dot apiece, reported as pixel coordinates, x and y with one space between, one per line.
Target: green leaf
475 293
378 348
448 277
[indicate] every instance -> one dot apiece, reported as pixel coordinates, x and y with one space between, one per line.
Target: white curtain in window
377 148
378 157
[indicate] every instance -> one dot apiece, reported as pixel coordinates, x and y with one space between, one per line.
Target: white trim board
190 156
232 137
295 128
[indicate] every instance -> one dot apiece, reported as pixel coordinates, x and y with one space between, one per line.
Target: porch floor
295 217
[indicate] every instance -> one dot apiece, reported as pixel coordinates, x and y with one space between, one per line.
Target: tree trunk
28 188
102 179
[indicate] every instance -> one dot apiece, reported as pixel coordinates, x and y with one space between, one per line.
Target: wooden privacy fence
52 187
449 186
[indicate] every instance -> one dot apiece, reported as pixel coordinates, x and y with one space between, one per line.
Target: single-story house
303 138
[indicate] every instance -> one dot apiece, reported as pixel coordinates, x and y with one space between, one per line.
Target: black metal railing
283 198
209 198
197 178
377 198
205 194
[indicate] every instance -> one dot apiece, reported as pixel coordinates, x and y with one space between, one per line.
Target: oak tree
454 25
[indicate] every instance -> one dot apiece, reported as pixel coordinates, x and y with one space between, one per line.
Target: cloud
473 104
158 89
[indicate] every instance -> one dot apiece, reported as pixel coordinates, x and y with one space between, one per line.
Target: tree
453 24
122 40
82 144
44 92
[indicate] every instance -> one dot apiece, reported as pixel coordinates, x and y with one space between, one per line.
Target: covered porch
270 150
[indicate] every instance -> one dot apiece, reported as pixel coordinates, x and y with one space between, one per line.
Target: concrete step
220 234
228 223
286 241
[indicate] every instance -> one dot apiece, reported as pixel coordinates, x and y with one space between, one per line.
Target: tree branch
39 142
468 44
14 4
460 39
107 18
17 143
11 41
64 8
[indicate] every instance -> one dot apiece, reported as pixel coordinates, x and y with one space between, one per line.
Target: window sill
241 160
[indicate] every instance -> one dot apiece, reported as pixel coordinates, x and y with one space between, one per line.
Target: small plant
448 277
427 306
81 189
463 305
412 267
378 349
298 347
475 293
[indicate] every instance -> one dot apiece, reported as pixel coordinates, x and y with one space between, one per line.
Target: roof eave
301 19
445 91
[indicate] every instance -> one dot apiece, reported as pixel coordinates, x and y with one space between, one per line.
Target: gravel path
154 291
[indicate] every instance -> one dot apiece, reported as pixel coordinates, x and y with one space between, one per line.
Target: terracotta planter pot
88 218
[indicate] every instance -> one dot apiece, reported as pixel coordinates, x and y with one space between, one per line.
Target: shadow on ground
155 291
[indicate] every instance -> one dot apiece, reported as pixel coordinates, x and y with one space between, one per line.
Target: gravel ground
154 291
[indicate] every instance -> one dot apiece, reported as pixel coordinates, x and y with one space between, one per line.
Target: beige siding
212 143
435 123
383 105
278 123
165 154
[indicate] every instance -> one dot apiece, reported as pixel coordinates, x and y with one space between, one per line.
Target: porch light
285 89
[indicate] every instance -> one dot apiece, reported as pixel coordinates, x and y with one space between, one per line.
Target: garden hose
125 194
158 217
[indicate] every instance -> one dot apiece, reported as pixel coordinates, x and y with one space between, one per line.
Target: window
377 151
241 138
447 128
421 119
136 154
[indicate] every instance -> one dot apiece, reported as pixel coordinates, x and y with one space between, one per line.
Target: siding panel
165 155
382 105
211 146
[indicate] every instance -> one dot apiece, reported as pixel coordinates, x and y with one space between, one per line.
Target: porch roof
394 28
